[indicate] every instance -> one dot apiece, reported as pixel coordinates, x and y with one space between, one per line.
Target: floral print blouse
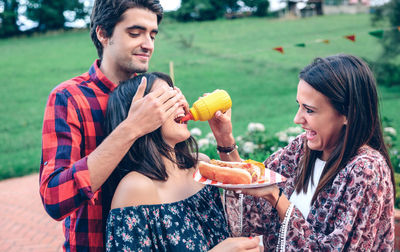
193 224
355 214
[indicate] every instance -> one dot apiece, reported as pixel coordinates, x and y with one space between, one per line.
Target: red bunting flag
351 37
279 49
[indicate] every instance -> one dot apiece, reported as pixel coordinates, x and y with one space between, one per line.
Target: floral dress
193 224
356 213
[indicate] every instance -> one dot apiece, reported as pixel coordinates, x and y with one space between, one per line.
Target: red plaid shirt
72 129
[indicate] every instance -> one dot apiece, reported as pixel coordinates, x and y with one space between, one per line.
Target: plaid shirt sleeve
64 177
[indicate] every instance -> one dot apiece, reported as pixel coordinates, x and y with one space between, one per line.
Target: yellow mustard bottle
205 108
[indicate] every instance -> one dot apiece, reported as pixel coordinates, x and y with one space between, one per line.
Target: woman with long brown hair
151 201
339 195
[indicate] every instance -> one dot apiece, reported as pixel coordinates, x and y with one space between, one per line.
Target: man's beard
131 68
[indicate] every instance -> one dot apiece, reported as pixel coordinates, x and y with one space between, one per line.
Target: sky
169 5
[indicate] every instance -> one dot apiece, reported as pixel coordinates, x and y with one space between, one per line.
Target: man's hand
147 113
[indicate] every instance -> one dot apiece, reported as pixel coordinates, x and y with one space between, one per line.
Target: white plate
270 178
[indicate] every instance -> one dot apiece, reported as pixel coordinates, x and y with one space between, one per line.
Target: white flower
260 127
204 142
239 138
294 130
390 130
210 136
273 148
248 147
195 132
387 139
282 136
254 127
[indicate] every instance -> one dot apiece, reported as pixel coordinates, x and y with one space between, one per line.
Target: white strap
283 230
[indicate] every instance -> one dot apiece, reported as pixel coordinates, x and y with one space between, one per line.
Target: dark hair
107 13
145 155
350 86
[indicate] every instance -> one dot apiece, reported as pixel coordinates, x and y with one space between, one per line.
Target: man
76 160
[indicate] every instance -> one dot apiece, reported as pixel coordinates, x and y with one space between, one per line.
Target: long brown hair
146 154
350 87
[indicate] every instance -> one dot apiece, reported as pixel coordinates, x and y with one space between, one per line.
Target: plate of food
236 175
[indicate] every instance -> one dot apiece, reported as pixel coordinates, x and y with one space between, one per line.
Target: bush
387 73
386 67
261 7
397 179
199 10
256 144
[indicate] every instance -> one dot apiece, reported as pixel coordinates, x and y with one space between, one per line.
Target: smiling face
316 115
131 45
172 131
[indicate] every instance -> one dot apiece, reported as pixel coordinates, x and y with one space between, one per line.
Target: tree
8 18
261 6
387 67
232 5
199 10
50 13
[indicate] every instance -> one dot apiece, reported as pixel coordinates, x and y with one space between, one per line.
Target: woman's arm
221 126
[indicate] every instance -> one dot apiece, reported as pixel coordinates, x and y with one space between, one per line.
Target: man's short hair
107 13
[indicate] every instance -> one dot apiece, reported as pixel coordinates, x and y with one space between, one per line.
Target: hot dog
231 172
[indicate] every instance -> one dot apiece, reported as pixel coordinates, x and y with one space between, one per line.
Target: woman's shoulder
368 163
133 190
368 155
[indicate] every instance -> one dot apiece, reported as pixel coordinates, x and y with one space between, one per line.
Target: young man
76 159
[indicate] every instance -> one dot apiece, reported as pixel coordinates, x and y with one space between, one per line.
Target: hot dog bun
230 172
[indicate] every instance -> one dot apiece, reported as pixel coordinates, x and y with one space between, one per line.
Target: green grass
235 55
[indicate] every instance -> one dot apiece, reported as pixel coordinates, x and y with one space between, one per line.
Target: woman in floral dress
339 194
156 205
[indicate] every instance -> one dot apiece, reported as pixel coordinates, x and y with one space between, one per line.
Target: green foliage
254 144
390 137
8 18
50 13
397 179
261 6
200 10
387 68
387 72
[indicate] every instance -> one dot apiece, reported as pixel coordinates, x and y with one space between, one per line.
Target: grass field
235 55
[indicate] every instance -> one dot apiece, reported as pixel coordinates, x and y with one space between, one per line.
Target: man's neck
112 73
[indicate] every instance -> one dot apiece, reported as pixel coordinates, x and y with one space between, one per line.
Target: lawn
235 55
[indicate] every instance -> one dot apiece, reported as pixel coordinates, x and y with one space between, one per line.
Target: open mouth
178 119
